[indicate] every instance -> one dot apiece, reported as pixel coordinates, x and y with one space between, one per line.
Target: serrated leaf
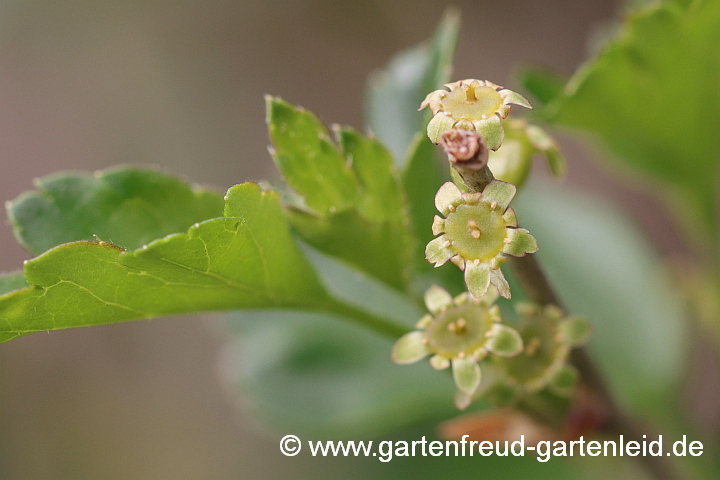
380 248
651 95
126 206
371 232
305 155
12 281
245 260
382 197
395 93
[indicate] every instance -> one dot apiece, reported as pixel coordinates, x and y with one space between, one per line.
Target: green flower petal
439 362
446 197
510 218
463 298
520 242
505 341
491 129
462 400
575 331
424 321
409 348
436 252
477 278
438 225
437 298
433 100
489 298
513 97
497 279
466 373
439 124
564 380
499 192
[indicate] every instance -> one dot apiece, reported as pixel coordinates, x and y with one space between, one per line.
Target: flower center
475 103
542 351
459 331
476 232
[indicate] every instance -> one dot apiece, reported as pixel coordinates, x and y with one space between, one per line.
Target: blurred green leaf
245 260
126 206
543 84
605 270
327 376
652 95
394 94
371 230
12 281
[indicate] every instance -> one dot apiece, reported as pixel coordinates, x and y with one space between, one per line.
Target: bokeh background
87 84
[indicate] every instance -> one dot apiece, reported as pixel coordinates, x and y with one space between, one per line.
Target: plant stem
528 272
384 326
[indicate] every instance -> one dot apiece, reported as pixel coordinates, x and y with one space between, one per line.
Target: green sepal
491 129
505 341
409 348
466 373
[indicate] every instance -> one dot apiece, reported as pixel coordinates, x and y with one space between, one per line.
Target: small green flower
512 162
548 337
472 105
478 229
458 332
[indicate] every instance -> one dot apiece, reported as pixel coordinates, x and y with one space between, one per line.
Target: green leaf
304 153
605 270
12 281
544 85
394 94
382 195
371 230
245 260
322 375
652 96
380 248
126 206
422 177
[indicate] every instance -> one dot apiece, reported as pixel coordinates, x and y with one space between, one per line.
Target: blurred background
85 85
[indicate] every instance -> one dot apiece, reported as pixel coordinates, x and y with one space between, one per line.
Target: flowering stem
528 272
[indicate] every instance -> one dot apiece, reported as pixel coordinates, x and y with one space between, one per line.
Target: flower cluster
548 336
458 331
472 104
475 233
